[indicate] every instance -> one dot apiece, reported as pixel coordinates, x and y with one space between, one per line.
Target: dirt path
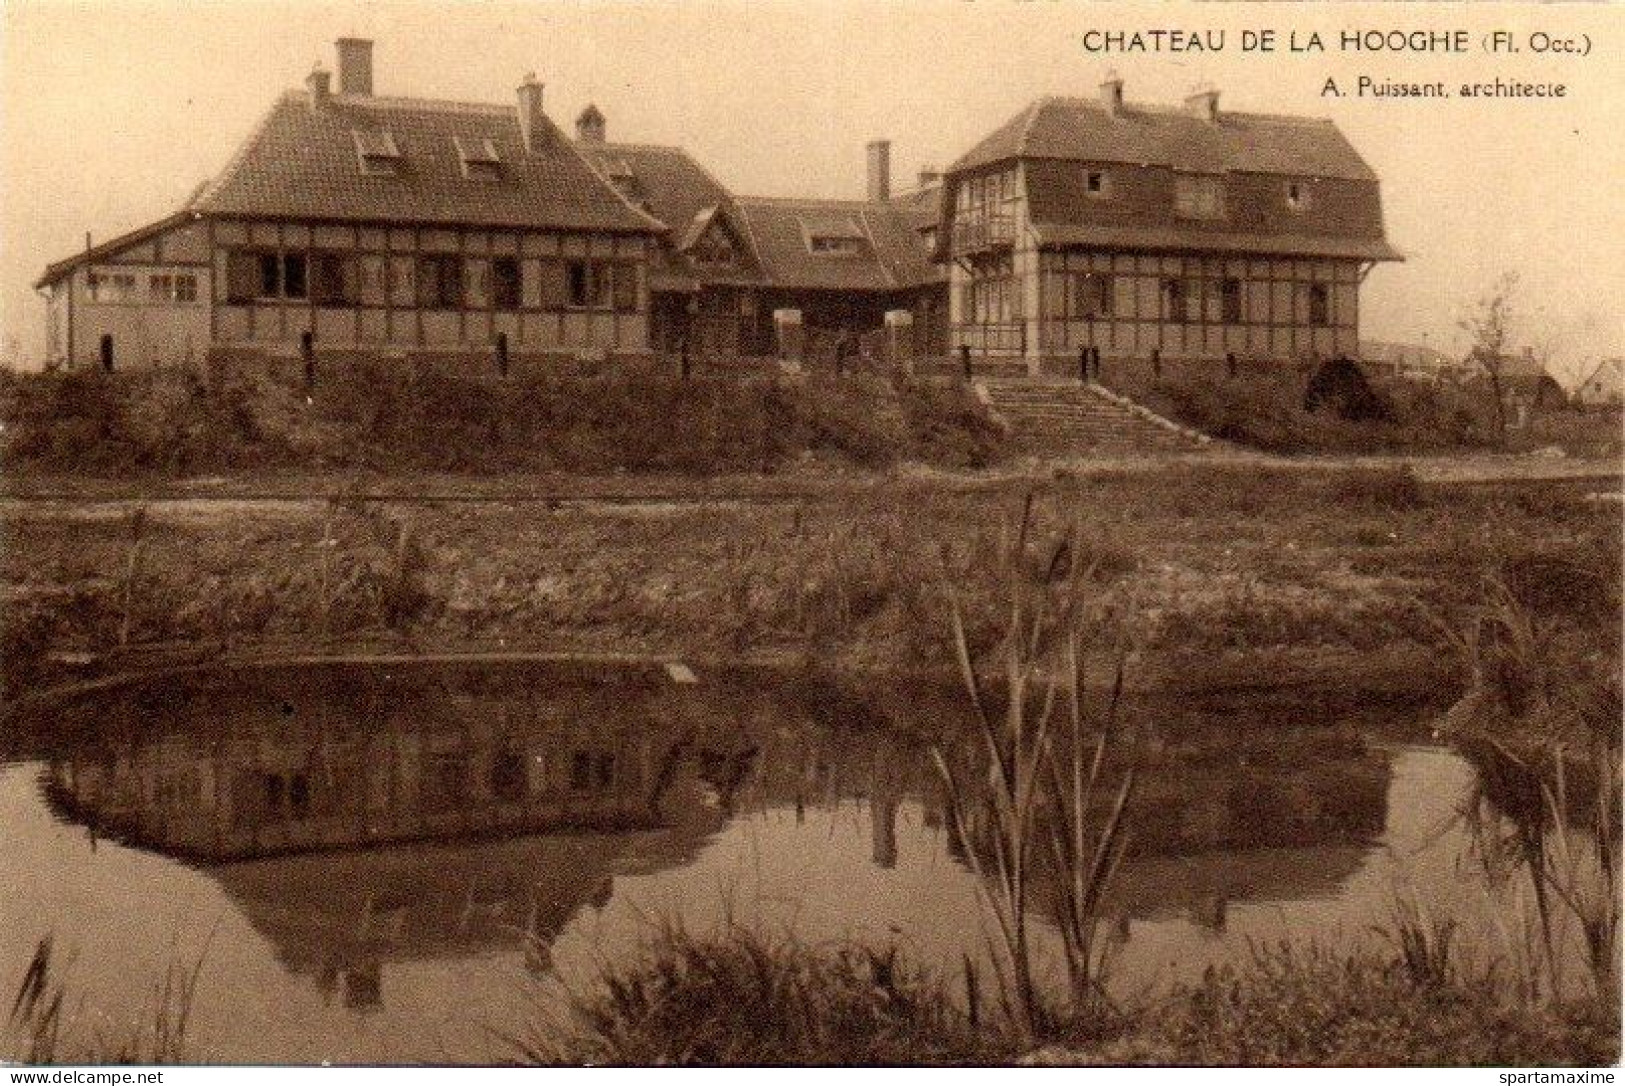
809 484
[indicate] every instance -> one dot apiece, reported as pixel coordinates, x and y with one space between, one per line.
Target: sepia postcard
978 533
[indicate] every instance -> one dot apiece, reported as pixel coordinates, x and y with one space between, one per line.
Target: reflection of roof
1148 887
408 902
1082 129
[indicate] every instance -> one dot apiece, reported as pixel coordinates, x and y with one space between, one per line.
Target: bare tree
1487 325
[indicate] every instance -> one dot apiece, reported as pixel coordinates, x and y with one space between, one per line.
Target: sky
113 111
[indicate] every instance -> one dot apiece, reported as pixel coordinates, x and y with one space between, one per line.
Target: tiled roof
302 162
57 270
778 229
772 232
1082 129
669 184
911 213
1182 239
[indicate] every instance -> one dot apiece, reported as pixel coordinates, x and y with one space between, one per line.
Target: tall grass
1030 792
743 998
46 1027
1542 718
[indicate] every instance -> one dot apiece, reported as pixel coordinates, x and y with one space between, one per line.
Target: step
1060 416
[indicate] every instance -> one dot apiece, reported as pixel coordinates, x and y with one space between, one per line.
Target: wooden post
307 352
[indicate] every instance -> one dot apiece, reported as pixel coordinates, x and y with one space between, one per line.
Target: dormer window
377 152
833 245
832 232
478 157
1297 195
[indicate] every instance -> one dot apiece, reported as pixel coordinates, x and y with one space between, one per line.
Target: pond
403 862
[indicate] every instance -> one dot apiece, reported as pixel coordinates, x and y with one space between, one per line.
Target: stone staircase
1049 416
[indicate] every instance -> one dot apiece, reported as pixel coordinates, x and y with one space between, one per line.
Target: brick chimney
1111 93
590 125
320 85
1203 104
880 169
355 66
532 121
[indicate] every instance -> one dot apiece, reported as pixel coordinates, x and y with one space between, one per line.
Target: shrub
371 415
1267 411
744 999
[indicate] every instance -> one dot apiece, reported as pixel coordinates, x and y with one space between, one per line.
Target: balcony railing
983 232
983 339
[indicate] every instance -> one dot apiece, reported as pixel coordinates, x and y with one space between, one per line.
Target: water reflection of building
247 795
359 820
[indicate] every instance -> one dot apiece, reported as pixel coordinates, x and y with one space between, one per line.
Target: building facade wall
144 307
985 287
1197 307
1017 300
367 288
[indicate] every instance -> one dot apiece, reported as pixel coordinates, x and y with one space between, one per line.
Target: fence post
964 358
1156 363
682 358
1230 363
307 352
502 354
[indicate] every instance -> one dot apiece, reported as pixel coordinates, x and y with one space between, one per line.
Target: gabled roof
56 271
779 229
1082 129
913 217
302 162
667 183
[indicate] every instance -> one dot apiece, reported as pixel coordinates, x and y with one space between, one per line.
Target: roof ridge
445 105
603 178
631 145
1169 109
874 244
845 204
210 188
750 238
1033 109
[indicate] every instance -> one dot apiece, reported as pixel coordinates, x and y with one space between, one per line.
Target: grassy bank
1228 568
1266 411
741 998
364 417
